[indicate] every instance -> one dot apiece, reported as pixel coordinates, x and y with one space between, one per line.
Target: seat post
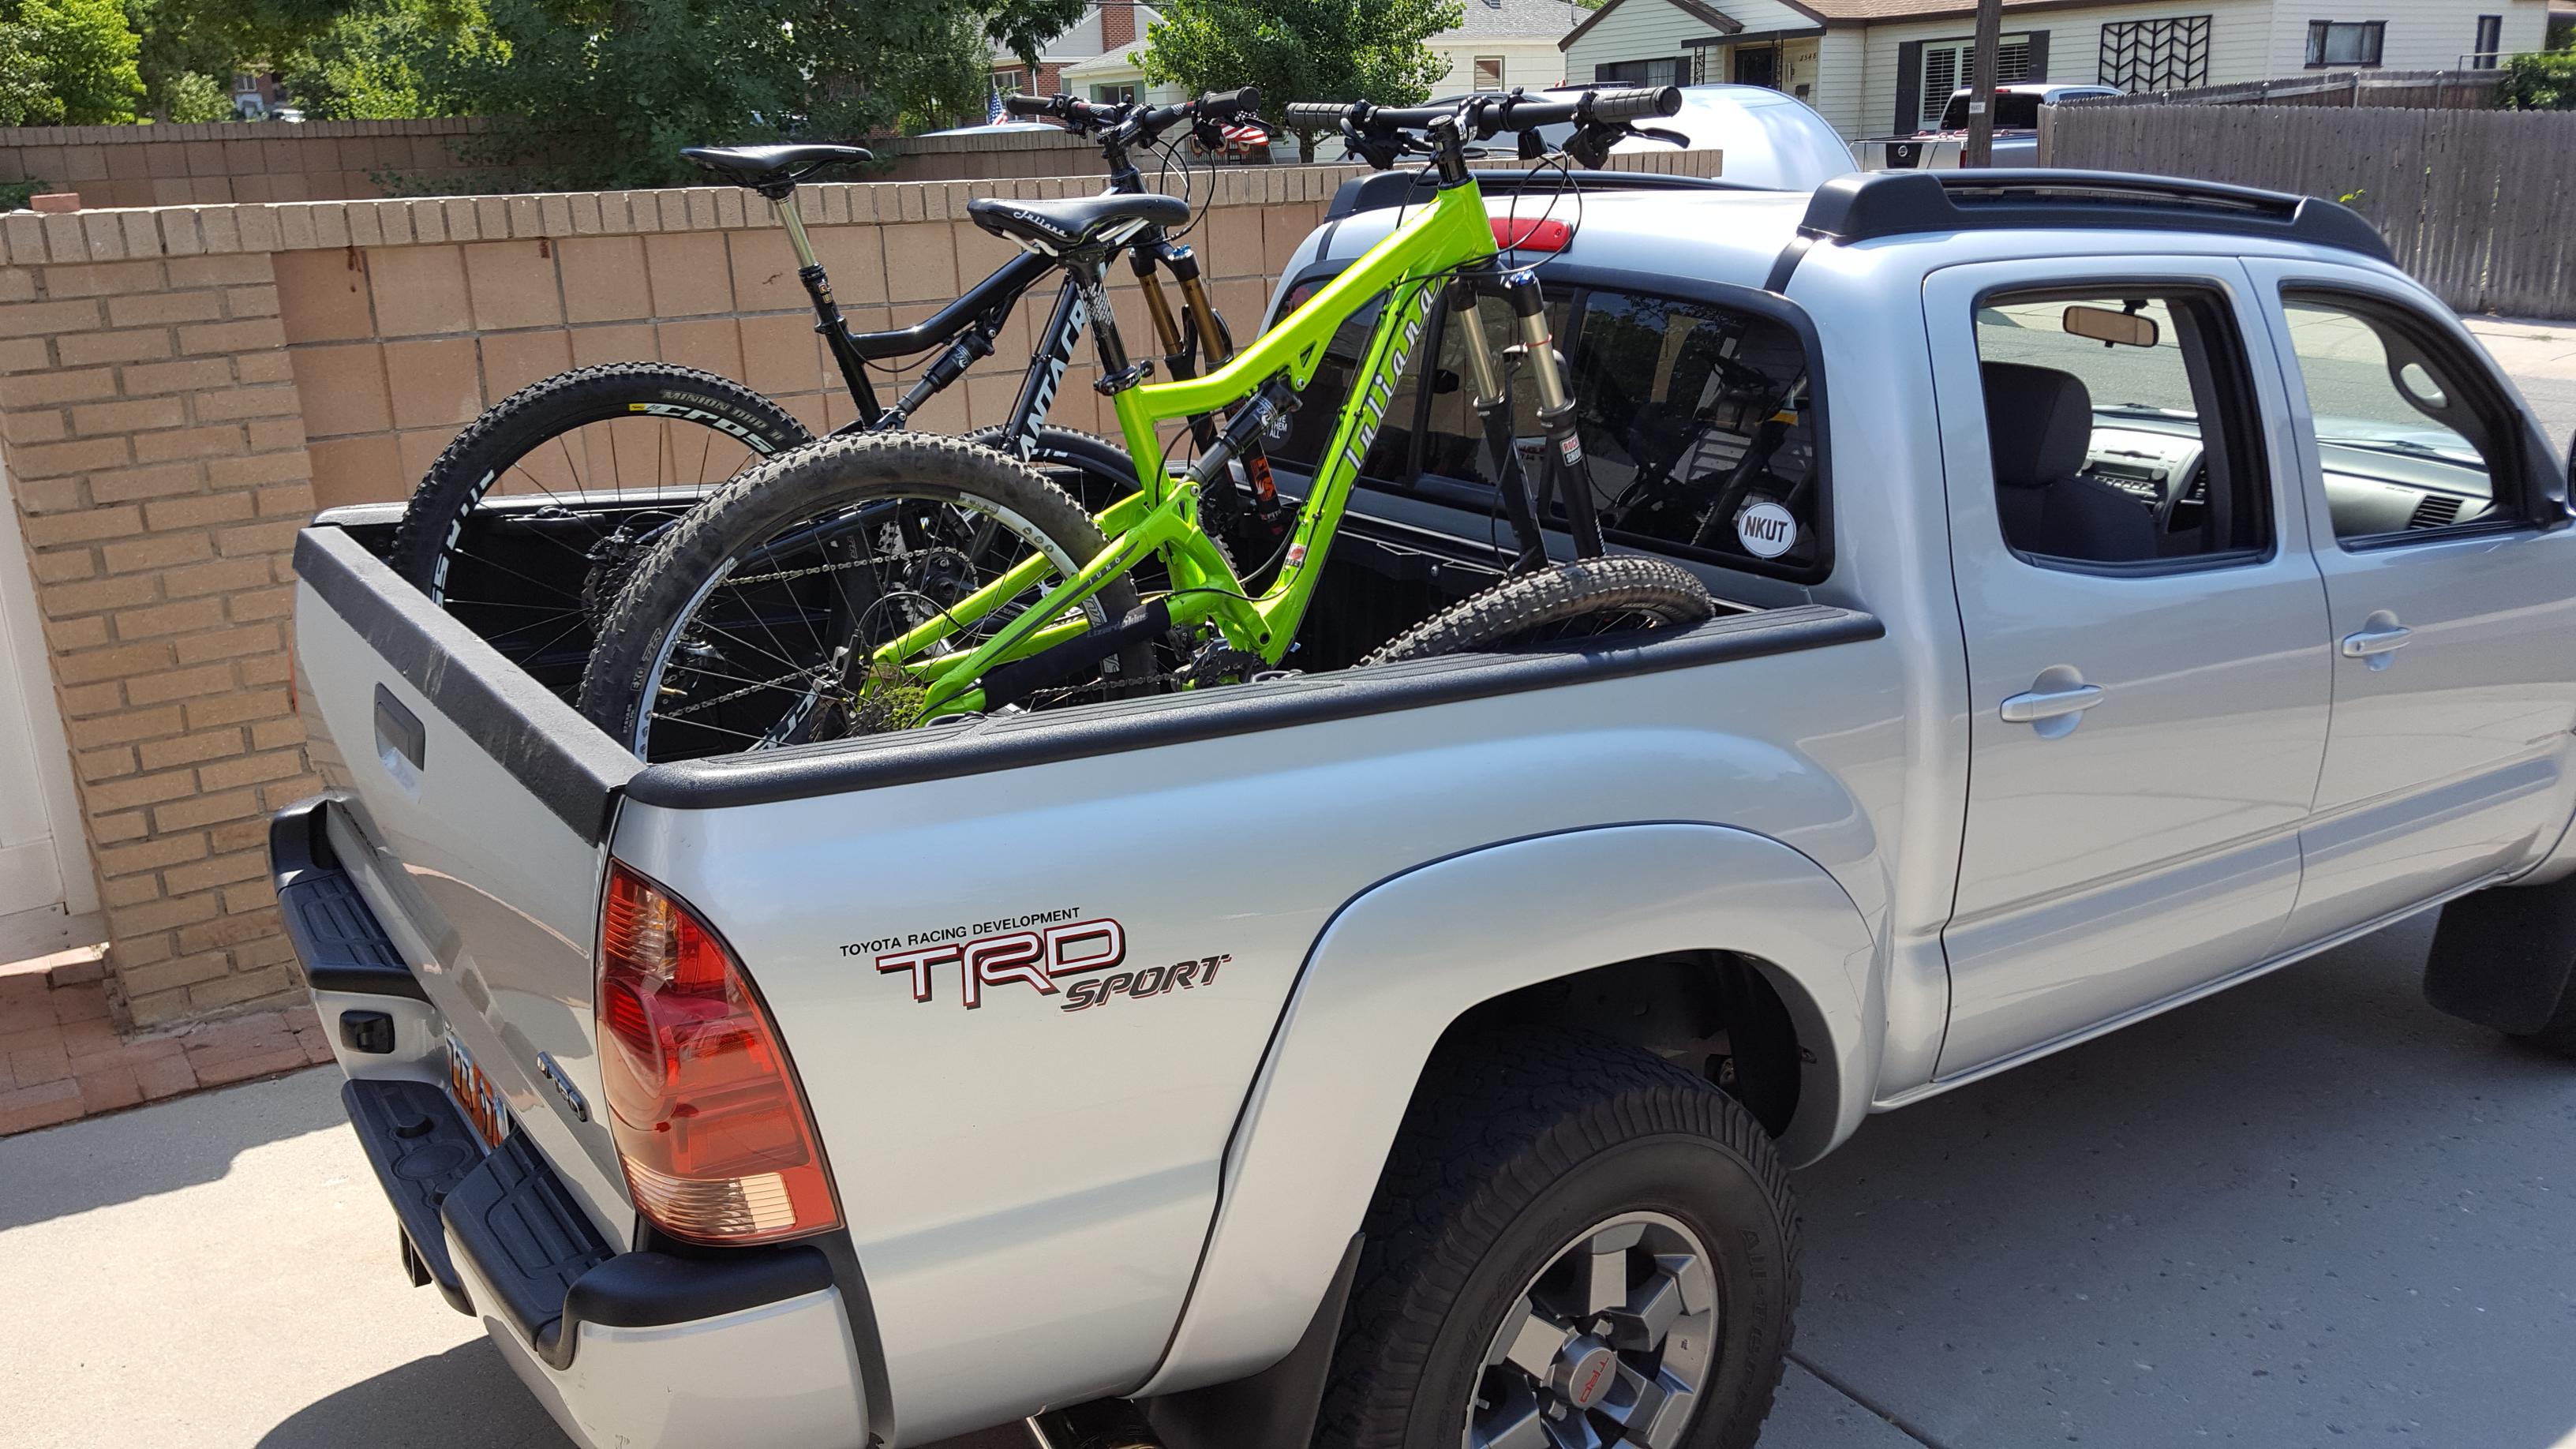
785 201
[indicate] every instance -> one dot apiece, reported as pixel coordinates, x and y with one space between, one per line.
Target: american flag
993 106
1245 133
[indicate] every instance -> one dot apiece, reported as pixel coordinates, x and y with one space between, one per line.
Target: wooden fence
2478 205
2427 90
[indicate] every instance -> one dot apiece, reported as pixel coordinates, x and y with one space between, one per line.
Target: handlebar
1139 122
1485 116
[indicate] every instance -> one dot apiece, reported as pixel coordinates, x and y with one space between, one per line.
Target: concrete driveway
2308 1212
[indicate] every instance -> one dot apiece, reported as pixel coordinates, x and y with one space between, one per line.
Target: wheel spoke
1605 1270
1533 1346
1573 1431
1650 1411
1527 1429
1648 1315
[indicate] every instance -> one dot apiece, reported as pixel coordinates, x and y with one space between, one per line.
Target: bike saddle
1062 226
773 170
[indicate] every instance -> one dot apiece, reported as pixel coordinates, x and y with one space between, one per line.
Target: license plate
475 1095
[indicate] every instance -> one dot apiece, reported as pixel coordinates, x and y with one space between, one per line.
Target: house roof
1515 20
1843 12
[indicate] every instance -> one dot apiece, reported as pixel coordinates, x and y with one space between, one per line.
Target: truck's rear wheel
1579 599
1575 1243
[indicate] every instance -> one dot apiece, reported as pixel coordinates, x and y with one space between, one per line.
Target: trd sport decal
1039 952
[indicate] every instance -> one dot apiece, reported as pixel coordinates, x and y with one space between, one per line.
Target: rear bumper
737 1346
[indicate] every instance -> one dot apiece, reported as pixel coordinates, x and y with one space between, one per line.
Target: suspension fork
827 311
1491 397
1562 457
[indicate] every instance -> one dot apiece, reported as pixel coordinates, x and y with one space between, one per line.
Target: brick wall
236 161
181 387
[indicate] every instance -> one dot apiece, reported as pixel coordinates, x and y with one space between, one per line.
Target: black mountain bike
598 462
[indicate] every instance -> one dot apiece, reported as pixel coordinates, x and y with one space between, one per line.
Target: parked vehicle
1944 146
2170 588
1770 138
893 581
617 429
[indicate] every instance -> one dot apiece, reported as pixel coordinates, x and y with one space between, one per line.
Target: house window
2490 41
1010 81
1113 95
1665 72
2156 55
1945 70
2344 42
1489 72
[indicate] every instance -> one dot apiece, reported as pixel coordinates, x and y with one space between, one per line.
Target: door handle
2039 705
2376 644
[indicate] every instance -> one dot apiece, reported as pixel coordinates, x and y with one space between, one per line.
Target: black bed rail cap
1869 204
1412 188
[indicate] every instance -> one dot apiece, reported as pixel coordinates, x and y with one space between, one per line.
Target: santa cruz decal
1039 951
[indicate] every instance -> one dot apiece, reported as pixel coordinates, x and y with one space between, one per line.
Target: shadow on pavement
2305 1209
466 1395
101 1161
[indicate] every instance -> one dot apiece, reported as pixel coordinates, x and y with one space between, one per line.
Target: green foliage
14 194
25 99
194 96
68 62
1302 50
386 60
604 93
2539 82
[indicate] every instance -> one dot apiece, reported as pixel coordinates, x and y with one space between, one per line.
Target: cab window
2121 428
2410 441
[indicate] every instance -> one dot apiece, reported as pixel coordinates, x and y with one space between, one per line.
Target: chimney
1117 24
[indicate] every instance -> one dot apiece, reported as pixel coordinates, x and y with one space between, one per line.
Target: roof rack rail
1865 205
1408 188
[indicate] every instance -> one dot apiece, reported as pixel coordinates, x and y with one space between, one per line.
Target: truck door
2453 614
2146 659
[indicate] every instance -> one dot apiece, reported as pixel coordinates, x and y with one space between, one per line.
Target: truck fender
1400 962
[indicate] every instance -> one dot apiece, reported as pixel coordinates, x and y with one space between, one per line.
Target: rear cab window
1700 415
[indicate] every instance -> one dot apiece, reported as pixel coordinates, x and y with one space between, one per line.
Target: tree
25 99
1302 50
604 93
83 51
2543 82
195 96
387 60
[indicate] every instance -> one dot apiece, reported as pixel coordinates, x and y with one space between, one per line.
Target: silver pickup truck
2129 586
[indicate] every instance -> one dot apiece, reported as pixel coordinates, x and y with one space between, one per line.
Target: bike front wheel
1562 603
750 623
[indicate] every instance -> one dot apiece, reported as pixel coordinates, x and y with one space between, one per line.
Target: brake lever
1658 133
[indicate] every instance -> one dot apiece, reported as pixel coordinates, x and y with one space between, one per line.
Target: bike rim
540 547
1611 1343
760 639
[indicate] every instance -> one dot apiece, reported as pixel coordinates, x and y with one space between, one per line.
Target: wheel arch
1405 962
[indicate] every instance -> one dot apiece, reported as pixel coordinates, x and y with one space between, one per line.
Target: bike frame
1409 267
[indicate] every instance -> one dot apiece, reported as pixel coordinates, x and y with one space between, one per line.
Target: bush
2539 82
195 97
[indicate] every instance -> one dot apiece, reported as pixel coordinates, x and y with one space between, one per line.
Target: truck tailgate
469 806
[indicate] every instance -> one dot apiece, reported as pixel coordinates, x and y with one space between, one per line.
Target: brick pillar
155 451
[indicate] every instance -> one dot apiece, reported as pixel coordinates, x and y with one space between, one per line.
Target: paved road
2308 1212
2541 357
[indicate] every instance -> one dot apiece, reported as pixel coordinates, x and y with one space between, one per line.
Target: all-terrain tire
1514 1144
828 477
1576 598
1107 473
525 421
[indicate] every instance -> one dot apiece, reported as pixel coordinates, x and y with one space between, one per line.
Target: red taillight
1530 234
715 1138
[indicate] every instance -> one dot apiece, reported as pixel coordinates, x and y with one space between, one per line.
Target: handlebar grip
1024 105
1227 105
1314 114
1631 103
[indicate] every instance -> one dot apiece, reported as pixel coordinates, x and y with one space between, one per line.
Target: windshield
2014 111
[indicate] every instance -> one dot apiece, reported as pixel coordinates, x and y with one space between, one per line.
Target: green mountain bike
886 581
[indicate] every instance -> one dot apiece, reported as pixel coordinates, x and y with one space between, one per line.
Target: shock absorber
1536 350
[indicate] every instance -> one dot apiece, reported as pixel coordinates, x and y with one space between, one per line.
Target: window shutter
2038 70
1909 87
